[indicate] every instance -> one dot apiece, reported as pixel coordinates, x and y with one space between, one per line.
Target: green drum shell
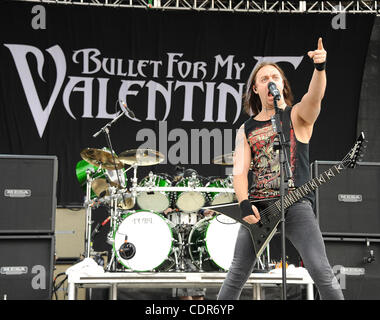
81 174
176 239
197 238
220 183
217 183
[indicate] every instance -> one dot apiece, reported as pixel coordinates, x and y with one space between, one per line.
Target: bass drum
212 243
157 201
154 240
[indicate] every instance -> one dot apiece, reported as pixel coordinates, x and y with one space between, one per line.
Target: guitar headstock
356 153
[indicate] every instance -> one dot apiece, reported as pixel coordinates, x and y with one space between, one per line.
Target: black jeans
302 229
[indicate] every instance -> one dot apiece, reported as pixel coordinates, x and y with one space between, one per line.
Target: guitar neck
294 196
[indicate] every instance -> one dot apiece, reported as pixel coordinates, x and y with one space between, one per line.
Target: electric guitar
270 217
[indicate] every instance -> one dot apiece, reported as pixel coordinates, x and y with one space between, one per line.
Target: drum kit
159 222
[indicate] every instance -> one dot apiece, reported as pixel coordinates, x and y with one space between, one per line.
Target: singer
254 152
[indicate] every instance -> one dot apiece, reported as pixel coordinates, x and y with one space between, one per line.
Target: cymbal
127 204
99 157
141 157
100 185
224 159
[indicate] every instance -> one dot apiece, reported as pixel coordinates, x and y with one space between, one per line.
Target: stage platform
115 280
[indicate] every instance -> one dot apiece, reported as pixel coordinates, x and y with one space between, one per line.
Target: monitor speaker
27 194
70 229
349 204
26 267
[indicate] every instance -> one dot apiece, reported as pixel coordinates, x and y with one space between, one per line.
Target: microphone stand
285 174
105 130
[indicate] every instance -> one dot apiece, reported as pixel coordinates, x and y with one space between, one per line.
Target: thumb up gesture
319 55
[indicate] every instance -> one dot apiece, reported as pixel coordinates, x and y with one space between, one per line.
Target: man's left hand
319 55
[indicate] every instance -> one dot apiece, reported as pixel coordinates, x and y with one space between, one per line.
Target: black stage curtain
182 73
369 111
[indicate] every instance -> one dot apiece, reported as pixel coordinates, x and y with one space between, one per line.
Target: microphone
127 250
99 226
274 91
126 110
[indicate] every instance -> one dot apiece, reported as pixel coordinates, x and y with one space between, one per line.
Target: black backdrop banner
182 73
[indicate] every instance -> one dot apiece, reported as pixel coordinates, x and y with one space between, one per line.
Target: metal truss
264 6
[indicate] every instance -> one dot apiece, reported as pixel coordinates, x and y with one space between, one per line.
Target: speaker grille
349 204
26 267
360 279
27 194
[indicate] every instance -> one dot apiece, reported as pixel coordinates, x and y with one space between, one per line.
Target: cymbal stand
134 182
106 132
88 242
113 225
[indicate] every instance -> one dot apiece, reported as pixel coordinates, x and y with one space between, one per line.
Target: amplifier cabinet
349 204
356 264
28 194
26 267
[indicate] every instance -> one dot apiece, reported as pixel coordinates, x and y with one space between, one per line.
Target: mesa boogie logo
14 270
350 198
17 193
154 79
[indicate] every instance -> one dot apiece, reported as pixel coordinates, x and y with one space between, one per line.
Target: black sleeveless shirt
265 165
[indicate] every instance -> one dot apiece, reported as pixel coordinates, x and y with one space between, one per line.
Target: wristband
245 208
320 66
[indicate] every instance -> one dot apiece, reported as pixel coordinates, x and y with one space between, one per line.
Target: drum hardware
111 266
127 250
141 157
88 242
107 157
177 252
110 239
134 181
201 251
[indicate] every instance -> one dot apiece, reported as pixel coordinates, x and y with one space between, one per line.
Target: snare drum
154 239
190 201
157 201
215 198
181 218
212 243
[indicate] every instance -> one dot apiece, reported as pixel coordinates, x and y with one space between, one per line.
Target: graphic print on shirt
265 162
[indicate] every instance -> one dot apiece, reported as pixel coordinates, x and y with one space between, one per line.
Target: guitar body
261 232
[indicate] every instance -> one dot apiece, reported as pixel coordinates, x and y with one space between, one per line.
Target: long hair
251 101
